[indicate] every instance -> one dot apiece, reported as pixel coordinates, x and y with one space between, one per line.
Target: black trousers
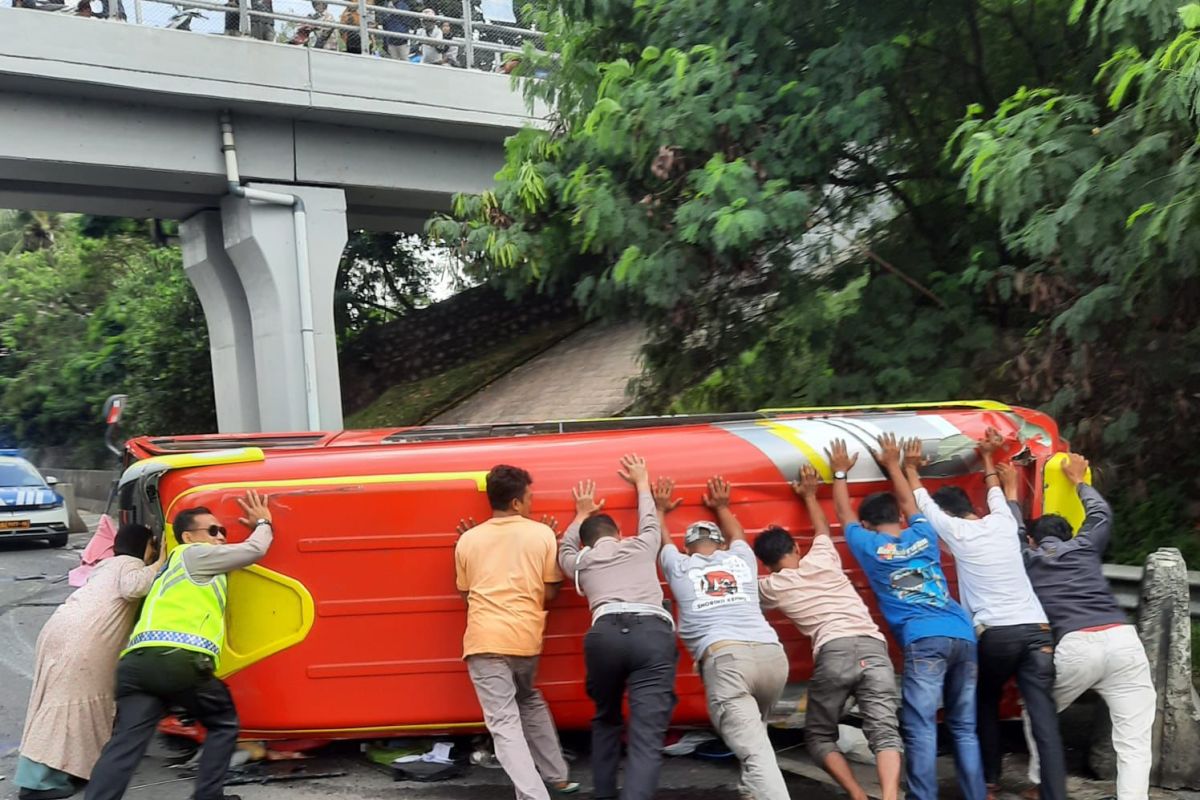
635 652
148 681
1027 652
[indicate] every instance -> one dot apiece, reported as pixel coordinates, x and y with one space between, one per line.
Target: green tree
817 202
714 167
86 317
1093 179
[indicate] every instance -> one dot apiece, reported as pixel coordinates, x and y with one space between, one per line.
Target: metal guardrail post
468 37
244 17
364 38
137 11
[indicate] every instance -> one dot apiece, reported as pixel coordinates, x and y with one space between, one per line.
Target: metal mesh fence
467 34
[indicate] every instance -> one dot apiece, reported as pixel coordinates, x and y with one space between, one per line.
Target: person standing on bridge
741 661
175 650
1096 647
631 644
71 705
507 570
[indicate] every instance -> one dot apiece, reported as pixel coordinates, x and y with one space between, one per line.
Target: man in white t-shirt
1014 633
741 661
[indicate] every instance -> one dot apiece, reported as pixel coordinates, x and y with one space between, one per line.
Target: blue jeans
934 667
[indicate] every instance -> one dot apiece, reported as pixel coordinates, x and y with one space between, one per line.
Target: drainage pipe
303 272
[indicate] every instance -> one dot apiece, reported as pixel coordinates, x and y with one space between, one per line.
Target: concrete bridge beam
227 314
259 374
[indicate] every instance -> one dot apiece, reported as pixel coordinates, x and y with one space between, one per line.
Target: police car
29 506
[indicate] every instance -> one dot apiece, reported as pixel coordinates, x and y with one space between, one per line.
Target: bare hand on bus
914 454
585 499
1075 468
840 459
255 507
991 442
465 524
551 522
717 495
1008 480
806 484
889 452
661 493
633 470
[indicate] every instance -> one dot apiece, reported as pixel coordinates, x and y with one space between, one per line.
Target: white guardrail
1126 582
471 34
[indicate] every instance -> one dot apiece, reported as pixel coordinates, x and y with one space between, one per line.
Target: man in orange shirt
507 570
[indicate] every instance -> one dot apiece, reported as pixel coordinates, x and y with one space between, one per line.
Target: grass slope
415 402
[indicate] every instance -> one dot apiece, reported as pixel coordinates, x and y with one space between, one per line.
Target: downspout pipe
303 271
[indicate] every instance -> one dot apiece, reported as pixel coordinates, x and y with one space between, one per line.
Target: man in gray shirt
631 644
741 660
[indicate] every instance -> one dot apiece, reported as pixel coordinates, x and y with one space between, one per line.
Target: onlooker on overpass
395 46
429 51
351 40
262 27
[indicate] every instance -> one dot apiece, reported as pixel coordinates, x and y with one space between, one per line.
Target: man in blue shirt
904 568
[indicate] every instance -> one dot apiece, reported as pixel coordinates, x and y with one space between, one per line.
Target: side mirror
51 480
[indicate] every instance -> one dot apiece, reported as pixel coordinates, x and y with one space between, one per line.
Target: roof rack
437 433
189 444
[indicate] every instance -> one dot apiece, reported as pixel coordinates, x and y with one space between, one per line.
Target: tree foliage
88 317
99 305
818 202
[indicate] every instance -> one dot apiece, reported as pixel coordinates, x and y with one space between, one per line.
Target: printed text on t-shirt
721 584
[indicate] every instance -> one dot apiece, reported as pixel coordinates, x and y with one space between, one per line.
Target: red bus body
365 525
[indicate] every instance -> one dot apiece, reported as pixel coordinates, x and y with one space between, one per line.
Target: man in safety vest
175 649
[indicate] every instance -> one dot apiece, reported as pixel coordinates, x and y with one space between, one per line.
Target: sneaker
566 787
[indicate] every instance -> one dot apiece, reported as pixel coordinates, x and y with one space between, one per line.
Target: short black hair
596 527
954 501
773 544
1050 525
184 519
880 508
505 484
131 540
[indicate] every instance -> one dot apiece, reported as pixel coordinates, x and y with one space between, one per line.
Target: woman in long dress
72 704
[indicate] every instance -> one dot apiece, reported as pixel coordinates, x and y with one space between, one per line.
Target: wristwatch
839 475
263 522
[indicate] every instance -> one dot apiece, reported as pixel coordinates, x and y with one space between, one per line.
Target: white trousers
1113 662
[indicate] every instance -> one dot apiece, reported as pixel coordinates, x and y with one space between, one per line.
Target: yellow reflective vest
181 613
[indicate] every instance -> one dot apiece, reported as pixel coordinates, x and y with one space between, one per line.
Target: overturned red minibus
352 626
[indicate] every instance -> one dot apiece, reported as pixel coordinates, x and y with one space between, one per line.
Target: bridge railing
471 34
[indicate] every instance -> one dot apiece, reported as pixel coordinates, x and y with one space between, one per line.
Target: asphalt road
33 583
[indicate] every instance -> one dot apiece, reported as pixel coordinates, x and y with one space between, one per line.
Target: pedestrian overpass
109 118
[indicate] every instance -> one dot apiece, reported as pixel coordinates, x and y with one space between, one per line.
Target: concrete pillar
259 239
230 336
1165 625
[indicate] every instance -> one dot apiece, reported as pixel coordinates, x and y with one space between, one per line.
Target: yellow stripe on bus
810 453
983 405
479 477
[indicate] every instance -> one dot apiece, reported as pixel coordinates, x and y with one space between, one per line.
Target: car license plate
13 524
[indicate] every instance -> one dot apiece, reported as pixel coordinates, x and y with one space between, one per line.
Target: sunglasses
212 530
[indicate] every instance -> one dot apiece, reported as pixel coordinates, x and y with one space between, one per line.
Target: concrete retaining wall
91 485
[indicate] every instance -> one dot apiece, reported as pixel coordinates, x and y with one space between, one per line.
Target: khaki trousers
520 723
742 682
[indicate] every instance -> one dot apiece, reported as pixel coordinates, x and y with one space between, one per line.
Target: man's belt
641 609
